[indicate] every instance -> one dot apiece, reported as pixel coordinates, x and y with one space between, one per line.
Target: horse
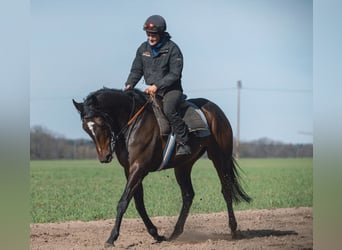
124 122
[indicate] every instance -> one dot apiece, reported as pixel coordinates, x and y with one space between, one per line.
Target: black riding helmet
155 24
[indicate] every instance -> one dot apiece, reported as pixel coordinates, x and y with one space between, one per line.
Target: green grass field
87 190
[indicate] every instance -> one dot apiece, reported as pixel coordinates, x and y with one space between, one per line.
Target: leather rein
114 138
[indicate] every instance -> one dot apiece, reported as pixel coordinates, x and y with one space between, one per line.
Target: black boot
183 149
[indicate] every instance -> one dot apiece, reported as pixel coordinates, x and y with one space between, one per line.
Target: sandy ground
286 228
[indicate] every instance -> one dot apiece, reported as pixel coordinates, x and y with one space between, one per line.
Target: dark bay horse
139 148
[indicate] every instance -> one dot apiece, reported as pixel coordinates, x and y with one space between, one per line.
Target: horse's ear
78 105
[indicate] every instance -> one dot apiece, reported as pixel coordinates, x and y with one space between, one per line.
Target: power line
252 89
55 98
279 90
209 90
58 98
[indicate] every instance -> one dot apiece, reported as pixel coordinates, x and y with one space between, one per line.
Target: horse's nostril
109 158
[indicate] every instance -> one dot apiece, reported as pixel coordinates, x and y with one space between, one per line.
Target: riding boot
182 139
183 149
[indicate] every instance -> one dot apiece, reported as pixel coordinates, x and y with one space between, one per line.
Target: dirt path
288 228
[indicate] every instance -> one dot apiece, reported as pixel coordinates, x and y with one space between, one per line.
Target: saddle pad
190 113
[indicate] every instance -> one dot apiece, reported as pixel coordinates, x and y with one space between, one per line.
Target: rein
138 112
114 137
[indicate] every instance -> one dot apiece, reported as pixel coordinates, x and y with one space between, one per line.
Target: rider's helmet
155 24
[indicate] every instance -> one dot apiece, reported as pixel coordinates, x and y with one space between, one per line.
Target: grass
87 190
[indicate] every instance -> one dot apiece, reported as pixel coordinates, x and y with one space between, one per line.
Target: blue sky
80 46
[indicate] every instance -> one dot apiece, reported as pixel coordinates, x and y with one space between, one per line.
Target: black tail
238 194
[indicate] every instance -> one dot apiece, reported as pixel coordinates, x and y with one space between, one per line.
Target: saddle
189 112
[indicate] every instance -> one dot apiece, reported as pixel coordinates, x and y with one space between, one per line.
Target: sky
77 47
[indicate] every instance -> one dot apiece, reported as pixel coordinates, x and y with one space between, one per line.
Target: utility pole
239 86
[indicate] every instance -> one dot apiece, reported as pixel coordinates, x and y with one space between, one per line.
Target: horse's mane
92 103
136 93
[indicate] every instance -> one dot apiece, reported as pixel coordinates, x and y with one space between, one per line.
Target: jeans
171 101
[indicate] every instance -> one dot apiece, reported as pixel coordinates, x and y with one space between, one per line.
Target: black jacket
164 69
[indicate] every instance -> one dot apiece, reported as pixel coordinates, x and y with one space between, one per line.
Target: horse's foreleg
121 209
133 182
140 206
184 181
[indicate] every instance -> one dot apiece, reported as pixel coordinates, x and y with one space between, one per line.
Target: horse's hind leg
140 206
184 180
221 166
227 189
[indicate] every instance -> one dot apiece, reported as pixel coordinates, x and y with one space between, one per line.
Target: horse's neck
120 111
121 107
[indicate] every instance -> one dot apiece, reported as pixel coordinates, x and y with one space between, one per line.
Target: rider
160 61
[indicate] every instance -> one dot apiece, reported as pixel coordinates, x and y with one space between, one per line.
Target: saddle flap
190 113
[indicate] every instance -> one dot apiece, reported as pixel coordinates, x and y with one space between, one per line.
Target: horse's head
105 114
98 128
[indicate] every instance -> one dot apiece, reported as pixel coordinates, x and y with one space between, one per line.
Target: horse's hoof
173 236
108 245
237 235
160 239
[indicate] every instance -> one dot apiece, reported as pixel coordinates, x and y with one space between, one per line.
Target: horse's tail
222 149
238 193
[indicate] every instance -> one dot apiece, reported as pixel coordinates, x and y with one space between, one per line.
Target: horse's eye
99 121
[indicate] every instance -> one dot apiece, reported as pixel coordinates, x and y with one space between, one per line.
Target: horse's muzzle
107 159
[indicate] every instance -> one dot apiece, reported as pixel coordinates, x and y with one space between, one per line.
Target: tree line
266 148
45 145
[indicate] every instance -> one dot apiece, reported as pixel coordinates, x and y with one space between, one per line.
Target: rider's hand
128 86
151 90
